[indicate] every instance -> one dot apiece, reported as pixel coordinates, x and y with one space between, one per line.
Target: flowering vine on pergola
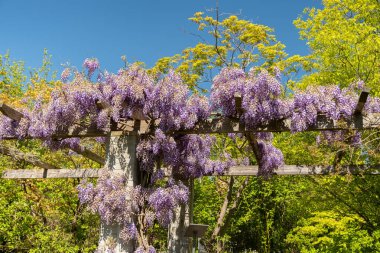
158 137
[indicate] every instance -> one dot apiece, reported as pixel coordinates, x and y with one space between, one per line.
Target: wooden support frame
10 112
216 124
140 125
233 171
221 125
89 154
50 173
17 116
362 100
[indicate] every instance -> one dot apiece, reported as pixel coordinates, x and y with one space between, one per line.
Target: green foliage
209 193
301 148
12 79
41 215
44 216
332 232
268 211
345 43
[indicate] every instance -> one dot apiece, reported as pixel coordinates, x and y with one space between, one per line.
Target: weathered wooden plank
220 124
216 124
233 171
50 173
10 112
238 104
231 125
303 170
30 158
102 105
362 100
17 116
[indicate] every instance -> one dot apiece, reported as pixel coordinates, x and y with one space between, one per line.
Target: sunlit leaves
345 42
231 42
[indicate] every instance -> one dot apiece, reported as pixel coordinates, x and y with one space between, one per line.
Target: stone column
120 160
183 216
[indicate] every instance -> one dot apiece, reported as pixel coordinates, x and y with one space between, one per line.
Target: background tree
40 215
331 232
231 42
344 41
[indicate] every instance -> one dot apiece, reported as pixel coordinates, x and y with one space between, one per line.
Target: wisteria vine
169 106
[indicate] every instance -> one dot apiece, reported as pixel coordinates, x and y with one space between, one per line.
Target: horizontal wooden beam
233 171
304 170
50 173
17 116
219 124
231 125
10 112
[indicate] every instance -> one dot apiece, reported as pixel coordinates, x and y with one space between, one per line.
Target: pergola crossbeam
10 112
17 116
215 124
50 173
233 171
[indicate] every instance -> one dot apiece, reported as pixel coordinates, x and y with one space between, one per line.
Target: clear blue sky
73 30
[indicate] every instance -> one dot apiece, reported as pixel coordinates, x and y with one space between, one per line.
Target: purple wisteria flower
66 73
91 64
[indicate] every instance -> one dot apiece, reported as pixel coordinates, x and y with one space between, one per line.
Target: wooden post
120 159
183 216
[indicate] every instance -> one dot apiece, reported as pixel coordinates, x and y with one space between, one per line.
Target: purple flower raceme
331 101
6 127
332 137
115 203
141 249
372 105
169 100
128 232
126 91
91 64
228 83
66 73
165 200
261 100
271 158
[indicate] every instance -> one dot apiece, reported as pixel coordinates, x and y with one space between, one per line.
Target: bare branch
30 158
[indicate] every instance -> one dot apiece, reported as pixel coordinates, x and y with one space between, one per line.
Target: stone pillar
183 216
120 160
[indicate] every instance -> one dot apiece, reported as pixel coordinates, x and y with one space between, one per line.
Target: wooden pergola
121 156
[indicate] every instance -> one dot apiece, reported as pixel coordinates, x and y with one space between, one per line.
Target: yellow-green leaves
12 79
345 42
332 232
228 42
